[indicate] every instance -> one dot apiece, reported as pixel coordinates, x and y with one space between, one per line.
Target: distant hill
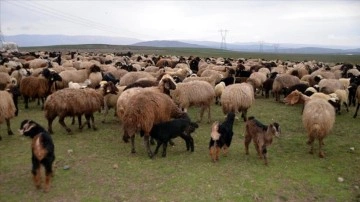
48 40
167 44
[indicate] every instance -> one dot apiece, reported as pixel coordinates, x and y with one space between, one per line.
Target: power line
65 16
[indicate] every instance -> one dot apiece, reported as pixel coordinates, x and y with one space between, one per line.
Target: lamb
261 135
72 102
219 88
77 76
74 85
111 94
139 117
342 95
165 131
221 136
7 110
195 93
43 151
237 98
283 81
328 86
38 87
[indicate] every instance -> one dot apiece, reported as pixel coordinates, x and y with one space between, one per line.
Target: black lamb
164 132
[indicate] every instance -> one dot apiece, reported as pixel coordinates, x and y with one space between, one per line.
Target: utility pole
223 38
261 46
276 47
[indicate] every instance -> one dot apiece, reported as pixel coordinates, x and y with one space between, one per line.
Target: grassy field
103 169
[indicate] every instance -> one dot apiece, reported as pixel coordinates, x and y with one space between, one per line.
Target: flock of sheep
147 90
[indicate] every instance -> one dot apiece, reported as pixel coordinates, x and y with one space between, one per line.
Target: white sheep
219 88
7 109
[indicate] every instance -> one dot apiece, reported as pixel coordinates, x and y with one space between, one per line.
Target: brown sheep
146 109
283 81
72 102
7 110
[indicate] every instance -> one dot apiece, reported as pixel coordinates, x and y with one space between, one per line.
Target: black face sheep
223 139
261 135
42 151
165 131
72 102
7 109
147 108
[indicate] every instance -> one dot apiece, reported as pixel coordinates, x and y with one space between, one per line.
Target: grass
103 169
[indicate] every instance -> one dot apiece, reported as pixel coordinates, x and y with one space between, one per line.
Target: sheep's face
275 127
292 98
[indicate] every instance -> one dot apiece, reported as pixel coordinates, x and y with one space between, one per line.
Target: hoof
321 155
10 133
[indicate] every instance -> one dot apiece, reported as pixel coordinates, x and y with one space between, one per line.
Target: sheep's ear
27 126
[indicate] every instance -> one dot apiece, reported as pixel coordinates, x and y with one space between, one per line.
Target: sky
335 23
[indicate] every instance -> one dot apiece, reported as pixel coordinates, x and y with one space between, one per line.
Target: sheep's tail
316 131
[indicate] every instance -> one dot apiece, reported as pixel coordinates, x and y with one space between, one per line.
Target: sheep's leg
133 144
225 150
50 120
26 100
209 114
311 143
147 143
321 153
106 111
79 121
36 172
42 102
93 122
62 123
164 149
357 109
8 127
202 110
346 106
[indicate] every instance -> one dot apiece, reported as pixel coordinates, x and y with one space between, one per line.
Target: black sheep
300 87
164 132
42 151
225 131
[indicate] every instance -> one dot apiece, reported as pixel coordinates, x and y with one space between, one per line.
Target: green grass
292 174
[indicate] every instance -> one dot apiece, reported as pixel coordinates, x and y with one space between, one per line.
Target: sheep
74 85
165 131
219 88
194 93
72 102
358 98
283 81
5 80
111 94
342 95
211 79
328 86
77 76
139 117
237 98
300 87
256 79
43 151
262 136
131 77
221 136
38 87
318 119
7 110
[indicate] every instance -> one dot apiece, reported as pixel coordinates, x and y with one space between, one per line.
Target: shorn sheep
194 93
237 98
262 136
72 102
221 136
147 108
7 110
43 151
318 118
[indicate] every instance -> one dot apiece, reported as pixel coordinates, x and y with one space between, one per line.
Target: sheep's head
274 129
293 98
168 82
109 87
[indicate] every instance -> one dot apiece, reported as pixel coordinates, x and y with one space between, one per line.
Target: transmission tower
223 33
261 46
2 39
276 47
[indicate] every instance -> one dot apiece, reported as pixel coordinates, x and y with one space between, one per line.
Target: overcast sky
301 22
